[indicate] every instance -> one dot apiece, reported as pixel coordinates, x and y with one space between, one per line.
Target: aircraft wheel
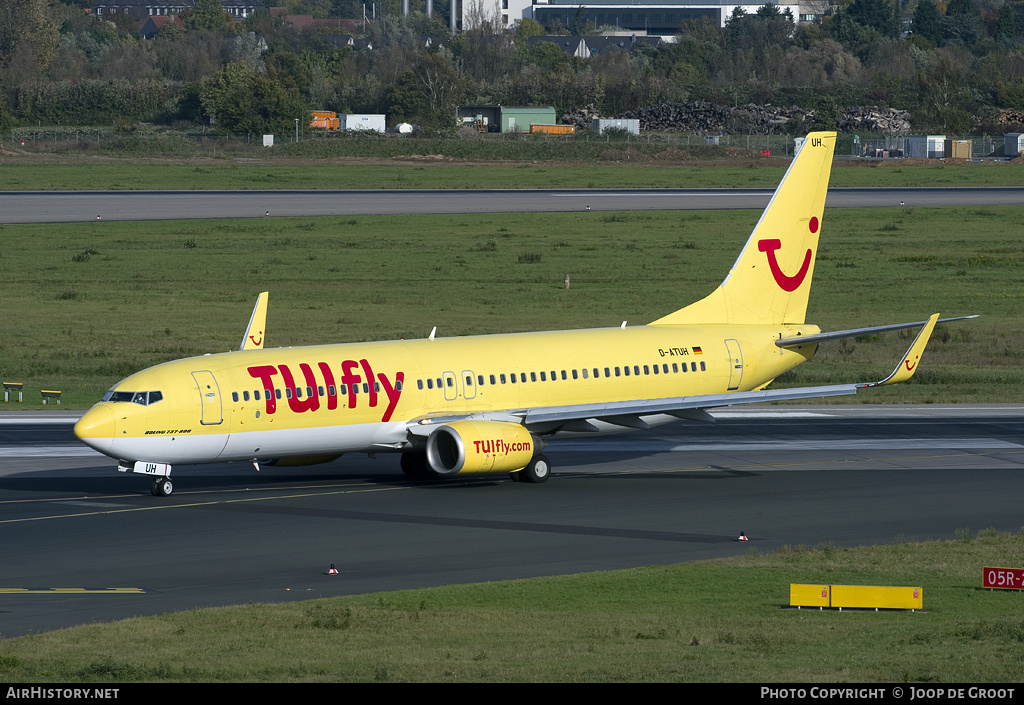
162 487
414 465
538 470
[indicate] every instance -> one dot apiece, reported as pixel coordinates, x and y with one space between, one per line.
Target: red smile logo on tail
786 282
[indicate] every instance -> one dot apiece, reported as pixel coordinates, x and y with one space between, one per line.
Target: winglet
905 370
253 339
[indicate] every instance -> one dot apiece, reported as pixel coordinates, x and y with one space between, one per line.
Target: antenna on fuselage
432 331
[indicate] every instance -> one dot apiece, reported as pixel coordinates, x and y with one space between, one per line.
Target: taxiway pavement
74 529
83 206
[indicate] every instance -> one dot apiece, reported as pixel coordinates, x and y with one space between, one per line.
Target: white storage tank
630 126
374 123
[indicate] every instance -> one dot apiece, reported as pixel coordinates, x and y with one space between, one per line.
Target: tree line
958 67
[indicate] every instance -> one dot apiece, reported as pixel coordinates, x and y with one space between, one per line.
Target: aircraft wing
578 417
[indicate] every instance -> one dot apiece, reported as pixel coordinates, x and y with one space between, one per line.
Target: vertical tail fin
771 279
254 337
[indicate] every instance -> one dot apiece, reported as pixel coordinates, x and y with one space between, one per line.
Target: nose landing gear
162 487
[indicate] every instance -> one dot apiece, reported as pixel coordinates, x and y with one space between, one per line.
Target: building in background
660 17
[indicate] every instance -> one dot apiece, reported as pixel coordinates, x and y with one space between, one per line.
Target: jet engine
468 447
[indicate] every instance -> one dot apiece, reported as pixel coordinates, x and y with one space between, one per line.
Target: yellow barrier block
809 595
878 597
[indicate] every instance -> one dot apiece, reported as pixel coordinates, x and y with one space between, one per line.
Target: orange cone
743 537
333 570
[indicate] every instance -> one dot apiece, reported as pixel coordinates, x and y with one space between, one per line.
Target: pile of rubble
875 119
1011 117
703 118
582 118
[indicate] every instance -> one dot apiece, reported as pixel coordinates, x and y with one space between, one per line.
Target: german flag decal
697 350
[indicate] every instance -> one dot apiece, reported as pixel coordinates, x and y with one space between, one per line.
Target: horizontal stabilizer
798 340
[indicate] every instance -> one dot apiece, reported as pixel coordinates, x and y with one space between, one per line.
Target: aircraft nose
96 428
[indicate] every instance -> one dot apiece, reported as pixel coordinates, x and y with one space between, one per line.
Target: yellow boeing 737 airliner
487 404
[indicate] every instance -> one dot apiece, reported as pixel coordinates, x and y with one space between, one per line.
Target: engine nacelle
467 447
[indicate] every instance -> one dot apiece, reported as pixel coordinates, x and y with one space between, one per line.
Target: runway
83 206
83 543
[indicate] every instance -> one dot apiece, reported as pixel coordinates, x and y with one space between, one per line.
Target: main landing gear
537 471
415 467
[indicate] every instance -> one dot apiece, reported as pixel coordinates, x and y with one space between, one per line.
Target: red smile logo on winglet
786 282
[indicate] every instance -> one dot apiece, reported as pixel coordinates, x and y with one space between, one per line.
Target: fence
172 142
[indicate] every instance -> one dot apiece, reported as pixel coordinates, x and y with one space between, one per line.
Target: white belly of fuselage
277 443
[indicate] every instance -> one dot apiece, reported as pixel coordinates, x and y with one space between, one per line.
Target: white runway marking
663 446
49 452
38 420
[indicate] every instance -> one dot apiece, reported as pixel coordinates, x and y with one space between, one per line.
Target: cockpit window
143 398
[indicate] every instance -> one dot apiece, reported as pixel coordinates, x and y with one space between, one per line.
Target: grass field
84 174
87 304
711 621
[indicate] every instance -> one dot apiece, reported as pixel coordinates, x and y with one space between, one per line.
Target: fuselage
328 400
